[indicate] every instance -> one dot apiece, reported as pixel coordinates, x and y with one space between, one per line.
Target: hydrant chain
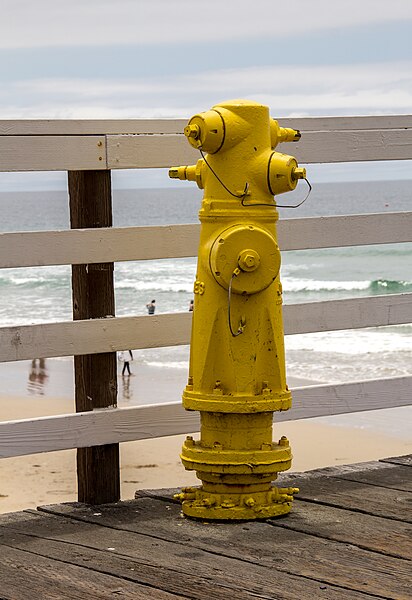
299 203
241 324
280 205
242 195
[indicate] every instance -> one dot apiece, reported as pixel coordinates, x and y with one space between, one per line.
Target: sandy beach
29 481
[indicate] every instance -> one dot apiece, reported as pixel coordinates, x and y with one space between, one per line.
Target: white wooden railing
106 145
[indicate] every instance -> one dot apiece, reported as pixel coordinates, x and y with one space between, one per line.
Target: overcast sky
173 58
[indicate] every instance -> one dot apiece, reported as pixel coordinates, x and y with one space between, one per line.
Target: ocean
43 294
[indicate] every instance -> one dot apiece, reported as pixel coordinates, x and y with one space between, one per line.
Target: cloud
328 90
46 23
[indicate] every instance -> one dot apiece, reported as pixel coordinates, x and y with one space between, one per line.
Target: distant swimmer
151 307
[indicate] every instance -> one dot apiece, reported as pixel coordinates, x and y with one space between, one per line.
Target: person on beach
126 358
37 376
191 305
151 307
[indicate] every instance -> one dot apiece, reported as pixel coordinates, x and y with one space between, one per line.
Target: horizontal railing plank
345 230
72 338
49 153
86 246
93 336
144 151
167 126
348 123
92 126
351 313
352 146
141 151
109 426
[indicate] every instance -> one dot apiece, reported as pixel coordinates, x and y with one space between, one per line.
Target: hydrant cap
206 131
251 248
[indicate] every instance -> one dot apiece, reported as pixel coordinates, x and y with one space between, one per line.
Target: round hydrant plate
251 249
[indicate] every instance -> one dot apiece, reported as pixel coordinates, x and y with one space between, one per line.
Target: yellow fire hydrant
237 361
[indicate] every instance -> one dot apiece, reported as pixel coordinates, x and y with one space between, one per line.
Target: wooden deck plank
24 574
392 473
172 565
365 531
399 460
356 496
353 488
392 477
333 545
343 525
120 555
284 550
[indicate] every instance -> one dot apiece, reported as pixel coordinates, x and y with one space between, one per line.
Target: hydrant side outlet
237 359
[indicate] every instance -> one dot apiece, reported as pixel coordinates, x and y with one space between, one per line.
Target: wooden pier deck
349 536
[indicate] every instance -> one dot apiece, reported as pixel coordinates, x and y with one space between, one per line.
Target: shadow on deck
349 536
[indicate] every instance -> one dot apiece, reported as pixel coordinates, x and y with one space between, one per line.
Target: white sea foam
22 280
156 285
354 342
300 285
168 364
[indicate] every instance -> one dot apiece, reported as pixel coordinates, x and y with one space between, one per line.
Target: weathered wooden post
98 472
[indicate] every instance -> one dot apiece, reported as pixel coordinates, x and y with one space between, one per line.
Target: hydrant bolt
192 131
249 260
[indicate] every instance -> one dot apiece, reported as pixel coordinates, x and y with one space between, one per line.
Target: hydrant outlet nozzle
178 173
282 134
297 135
298 173
189 173
286 134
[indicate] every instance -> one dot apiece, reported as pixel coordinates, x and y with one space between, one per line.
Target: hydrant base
234 513
198 503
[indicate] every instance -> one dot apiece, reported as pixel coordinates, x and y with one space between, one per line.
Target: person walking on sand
151 307
191 306
126 358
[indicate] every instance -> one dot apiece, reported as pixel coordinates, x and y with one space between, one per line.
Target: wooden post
98 470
